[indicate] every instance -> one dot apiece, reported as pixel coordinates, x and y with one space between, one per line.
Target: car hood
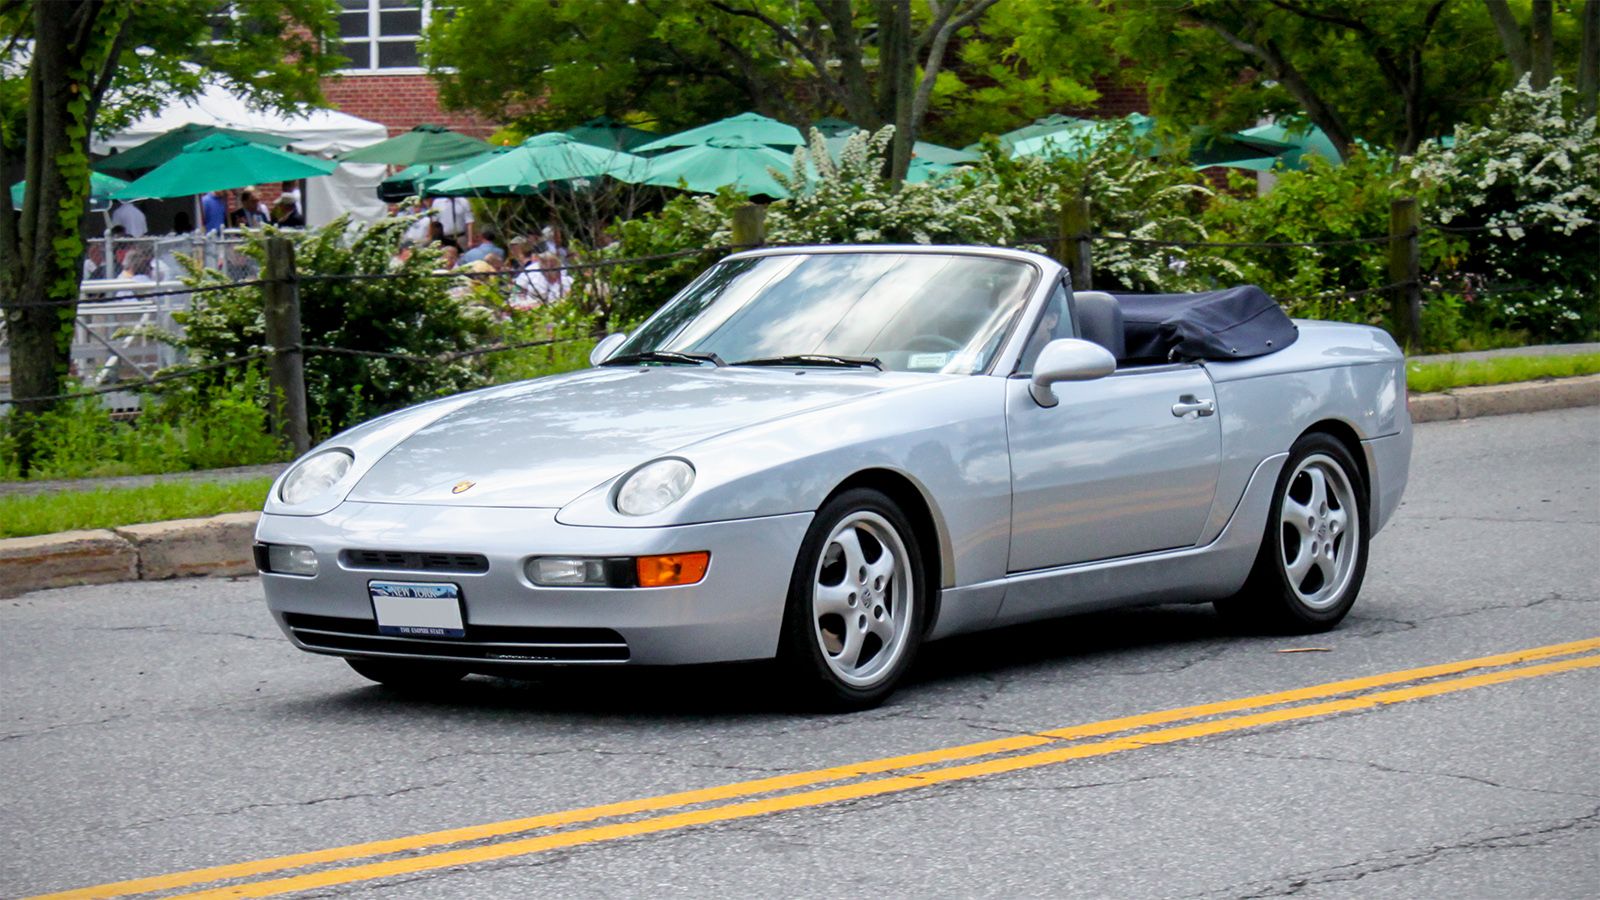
544 443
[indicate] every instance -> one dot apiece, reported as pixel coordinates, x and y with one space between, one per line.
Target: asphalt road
155 728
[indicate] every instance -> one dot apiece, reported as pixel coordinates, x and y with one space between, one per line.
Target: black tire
414 676
806 665
1270 601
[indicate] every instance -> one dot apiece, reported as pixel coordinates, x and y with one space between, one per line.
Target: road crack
1520 836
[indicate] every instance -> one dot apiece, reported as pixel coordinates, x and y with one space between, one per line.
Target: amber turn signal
672 569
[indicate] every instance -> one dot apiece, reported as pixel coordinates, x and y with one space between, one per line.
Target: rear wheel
408 675
857 602
1314 553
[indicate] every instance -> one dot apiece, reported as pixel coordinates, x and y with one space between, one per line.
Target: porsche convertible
828 456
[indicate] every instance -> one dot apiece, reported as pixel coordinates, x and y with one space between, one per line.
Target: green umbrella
1218 149
832 127
607 133
165 146
722 162
101 187
751 127
1040 127
422 144
220 163
919 149
1303 142
536 162
927 170
1207 147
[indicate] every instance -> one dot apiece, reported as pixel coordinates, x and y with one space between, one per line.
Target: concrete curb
219 545
1504 399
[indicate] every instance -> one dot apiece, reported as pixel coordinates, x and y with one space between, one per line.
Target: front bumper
734 613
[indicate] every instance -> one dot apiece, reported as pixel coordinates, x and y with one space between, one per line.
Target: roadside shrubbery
407 312
1523 193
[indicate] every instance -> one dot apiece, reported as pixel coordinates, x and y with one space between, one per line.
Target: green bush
406 312
201 427
1131 195
850 202
1338 204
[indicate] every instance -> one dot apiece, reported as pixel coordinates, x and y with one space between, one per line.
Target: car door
1122 465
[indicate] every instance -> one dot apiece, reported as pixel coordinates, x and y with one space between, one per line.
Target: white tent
322 132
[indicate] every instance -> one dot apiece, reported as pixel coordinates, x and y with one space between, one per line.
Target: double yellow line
443 849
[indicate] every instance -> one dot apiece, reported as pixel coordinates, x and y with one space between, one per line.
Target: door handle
1189 403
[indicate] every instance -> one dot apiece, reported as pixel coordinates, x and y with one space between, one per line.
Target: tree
94 64
1531 53
676 63
1394 72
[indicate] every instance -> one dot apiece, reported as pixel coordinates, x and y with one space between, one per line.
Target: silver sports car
829 455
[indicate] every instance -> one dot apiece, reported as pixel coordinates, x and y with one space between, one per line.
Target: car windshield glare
913 312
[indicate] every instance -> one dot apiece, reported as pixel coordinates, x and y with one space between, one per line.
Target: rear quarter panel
1351 374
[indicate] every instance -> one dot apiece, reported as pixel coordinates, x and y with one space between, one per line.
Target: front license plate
416 609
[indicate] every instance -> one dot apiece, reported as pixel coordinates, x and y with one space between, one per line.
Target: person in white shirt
130 218
542 283
455 215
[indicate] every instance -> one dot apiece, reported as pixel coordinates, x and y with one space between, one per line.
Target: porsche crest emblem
462 487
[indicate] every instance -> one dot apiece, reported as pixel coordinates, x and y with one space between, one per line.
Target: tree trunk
43 251
1541 44
1516 46
895 86
1589 60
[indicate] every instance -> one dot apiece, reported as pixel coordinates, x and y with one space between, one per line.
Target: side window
1054 322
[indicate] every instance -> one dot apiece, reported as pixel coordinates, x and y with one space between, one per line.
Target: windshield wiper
814 359
665 356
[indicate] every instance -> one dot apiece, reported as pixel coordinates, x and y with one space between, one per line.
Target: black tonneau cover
1236 323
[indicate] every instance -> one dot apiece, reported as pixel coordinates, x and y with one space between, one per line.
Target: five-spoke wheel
1314 553
856 602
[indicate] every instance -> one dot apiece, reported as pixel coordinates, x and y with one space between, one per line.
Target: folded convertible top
1236 323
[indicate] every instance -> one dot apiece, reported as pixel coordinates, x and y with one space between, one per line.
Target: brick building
384 81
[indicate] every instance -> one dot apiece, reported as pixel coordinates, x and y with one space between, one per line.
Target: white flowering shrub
1523 193
850 202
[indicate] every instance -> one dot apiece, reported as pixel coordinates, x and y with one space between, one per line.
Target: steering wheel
932 343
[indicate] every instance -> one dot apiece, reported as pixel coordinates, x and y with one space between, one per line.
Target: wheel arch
928 526
1350 439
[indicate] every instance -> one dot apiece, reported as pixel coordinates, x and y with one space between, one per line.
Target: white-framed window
382 35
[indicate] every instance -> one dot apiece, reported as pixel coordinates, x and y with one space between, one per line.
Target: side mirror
604 349
1068 359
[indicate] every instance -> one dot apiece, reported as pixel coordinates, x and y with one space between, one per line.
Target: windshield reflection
915 312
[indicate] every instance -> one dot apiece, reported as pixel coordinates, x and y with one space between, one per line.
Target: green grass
30 514
1441 376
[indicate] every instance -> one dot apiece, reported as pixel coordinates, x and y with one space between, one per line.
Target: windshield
913 312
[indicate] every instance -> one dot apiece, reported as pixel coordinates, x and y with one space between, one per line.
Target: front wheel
1314 552
857 603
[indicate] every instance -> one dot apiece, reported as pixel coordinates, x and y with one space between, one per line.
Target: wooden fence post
1073 241
1405 270
749 226
286 374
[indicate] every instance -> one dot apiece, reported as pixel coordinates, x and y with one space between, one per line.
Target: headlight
315 475
654 486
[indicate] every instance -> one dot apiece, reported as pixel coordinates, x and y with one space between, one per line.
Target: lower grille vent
490 643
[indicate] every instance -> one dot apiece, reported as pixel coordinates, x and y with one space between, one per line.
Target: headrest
1100 320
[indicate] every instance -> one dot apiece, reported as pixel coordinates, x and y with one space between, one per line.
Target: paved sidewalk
1541 350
